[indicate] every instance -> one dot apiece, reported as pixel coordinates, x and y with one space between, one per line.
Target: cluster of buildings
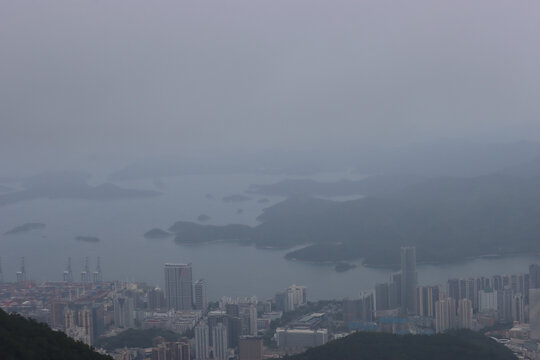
234 328
402 306
88 308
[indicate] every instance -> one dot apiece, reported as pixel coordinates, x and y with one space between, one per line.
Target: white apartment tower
445 315
465 312
219 337
201 342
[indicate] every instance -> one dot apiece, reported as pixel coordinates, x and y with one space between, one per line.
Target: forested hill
26 339
447 219
462 345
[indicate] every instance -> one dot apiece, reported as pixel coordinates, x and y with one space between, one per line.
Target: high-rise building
123 311
220 342
409 280
534 276
394 291
426 297
359 310
57 314
201 342
232 310
497 281
534 313
248 315
156 299
234 330
445 315
86 323
504 305
200 295
518 303
171 351
382 297
465 312
178 286
250 348
487 300
453 289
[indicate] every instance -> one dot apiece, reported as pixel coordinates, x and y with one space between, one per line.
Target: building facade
178 286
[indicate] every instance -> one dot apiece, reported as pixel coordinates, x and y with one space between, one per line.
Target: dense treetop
462 345
26 339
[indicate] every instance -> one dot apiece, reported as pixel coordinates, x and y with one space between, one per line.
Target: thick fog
86 84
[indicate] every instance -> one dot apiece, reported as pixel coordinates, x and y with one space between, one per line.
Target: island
343 266
236 198
157 234
203 218
67 185
448 219
25 228
263 201
90 239
240 211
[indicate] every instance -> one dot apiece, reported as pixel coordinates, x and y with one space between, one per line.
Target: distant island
66 185
263 201
25 228
157 234
188 232
448 219
240 211
343 266
236 198
460 344
90 239
203 218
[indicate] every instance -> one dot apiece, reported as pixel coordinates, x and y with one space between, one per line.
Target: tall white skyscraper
201 342
445 315
178 286
219 340
200 295
534 313
409 280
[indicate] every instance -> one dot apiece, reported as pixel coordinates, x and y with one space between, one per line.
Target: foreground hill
462 345
26 339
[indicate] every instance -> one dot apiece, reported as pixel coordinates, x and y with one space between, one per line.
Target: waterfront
229 269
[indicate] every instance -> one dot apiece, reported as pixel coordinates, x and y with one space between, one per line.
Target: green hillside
462 345
26 339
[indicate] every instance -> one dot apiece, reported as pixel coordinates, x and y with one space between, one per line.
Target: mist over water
230 269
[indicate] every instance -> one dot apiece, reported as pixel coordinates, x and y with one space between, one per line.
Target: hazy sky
95 80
